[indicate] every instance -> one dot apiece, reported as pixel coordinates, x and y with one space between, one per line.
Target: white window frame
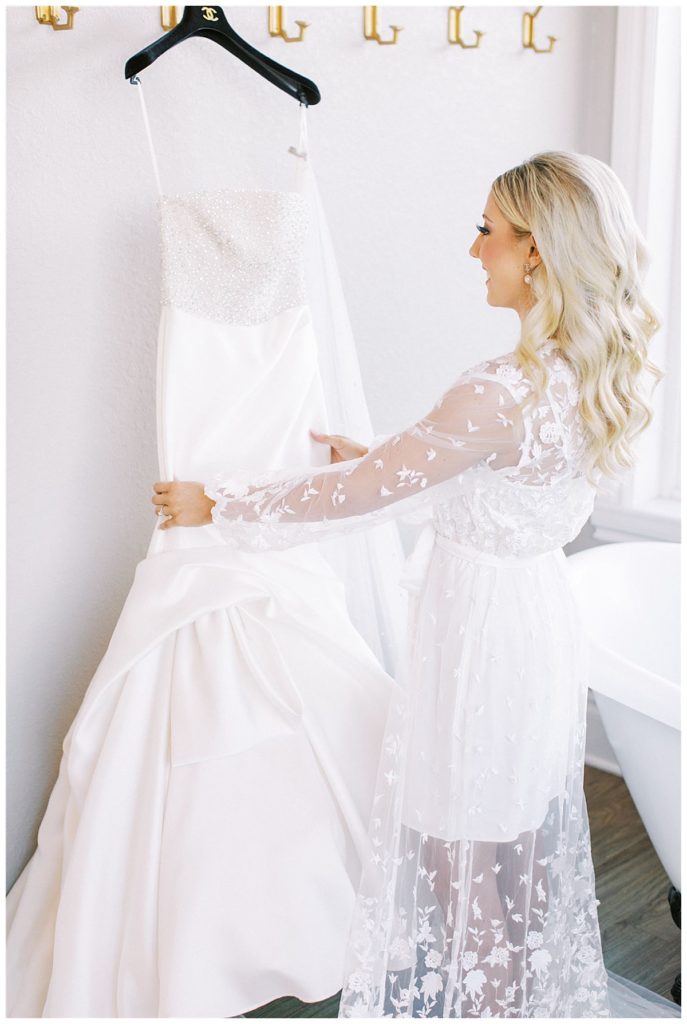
645 153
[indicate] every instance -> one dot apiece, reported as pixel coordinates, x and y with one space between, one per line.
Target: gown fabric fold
202 845
478 896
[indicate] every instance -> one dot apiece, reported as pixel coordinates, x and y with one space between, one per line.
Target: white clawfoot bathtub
629 596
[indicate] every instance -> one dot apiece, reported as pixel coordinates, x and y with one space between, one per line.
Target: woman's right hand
342 448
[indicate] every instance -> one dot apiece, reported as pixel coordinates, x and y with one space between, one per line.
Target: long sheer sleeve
476 422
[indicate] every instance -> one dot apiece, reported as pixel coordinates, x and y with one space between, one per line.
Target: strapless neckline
207 193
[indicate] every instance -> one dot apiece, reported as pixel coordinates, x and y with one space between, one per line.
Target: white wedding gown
201 848
478 896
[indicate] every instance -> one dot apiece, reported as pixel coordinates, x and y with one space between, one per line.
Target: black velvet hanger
211 23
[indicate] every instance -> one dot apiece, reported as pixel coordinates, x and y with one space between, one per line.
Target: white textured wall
406 142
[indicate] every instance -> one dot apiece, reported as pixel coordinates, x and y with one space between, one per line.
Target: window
645 153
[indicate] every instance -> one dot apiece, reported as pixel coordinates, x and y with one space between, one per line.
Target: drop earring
528 276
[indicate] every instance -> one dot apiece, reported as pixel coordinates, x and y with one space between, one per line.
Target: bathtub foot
675 989
674 903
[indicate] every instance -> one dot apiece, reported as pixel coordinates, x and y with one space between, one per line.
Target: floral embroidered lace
498 480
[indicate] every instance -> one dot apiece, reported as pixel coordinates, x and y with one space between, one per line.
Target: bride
478 896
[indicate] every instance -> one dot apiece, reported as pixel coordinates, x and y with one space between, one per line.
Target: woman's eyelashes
482 230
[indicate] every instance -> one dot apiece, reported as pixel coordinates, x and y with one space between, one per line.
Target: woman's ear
534 257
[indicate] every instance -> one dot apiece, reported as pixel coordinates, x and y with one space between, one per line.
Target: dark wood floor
639 938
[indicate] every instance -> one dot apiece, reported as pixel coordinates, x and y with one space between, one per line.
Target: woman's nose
473 250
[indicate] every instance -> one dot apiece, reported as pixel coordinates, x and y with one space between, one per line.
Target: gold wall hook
168 17
454 35
528 33
371 29
275 25
51 16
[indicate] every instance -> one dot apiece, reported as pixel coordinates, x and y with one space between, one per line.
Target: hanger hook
168 17
454 35
51 15
528 33
275 25
371 30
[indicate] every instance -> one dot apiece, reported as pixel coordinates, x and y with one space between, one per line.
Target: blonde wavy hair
588 294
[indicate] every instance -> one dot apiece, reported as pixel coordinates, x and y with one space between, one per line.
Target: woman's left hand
341 448
185 503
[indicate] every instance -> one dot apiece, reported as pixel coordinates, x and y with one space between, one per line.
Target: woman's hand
342 448
185 503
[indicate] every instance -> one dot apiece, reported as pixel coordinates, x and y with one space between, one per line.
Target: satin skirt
202 845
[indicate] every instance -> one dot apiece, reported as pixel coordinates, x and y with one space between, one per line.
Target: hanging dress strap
137 81
303 133
301 150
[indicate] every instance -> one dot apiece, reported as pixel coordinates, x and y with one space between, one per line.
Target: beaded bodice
233 255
